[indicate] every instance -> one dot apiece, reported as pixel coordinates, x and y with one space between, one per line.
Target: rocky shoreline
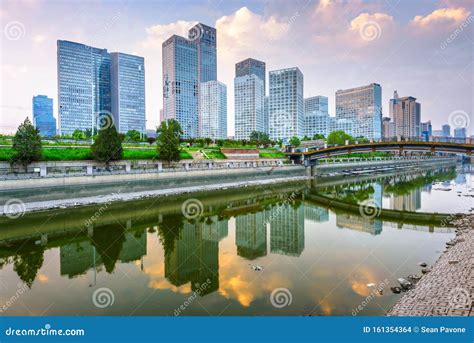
447 288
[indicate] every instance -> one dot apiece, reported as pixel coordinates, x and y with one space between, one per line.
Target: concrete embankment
447 288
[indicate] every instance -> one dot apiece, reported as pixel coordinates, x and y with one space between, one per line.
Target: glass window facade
213 109
43 118
248 105
316 116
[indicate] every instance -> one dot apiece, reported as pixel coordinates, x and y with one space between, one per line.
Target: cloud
38 39
442 16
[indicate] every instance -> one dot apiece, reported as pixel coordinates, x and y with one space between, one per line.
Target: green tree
295 141
220 143
306 138
260 138
339 137
78 134
208 141
88 133
151 140
168 140
132 136
26 145
108 146
318 136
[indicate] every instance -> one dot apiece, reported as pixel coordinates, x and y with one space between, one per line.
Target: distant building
43 118
426 130
316 116
213 109
345 125
286 111
405 112
251 66
265 114
438 133
127 73
362 106
248 105
460 132
388 128
446 130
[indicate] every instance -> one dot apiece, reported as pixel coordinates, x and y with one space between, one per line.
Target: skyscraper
266 108
251 66
446 130
186 63
426 129
83 85
460 132
213 109
43 118
406 114
248 105
86 90
316 116
388 128
180 83
363 106
128 91
286 111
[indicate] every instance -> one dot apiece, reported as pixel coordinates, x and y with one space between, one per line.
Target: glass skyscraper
43 118
128 91
251 66
286 110
85 88
363 106
248 105
186 63
316 116
213 109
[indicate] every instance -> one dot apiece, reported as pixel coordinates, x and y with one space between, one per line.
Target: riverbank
447 289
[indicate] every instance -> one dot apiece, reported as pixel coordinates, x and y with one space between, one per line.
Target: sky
420 48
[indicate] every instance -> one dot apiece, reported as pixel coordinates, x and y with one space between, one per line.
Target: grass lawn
268 153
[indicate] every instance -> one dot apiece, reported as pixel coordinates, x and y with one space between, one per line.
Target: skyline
433 70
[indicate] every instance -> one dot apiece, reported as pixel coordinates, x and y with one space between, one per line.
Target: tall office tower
446 130
460 132
426 130
127 74
213 109
406 114
286 111
248 105
388 128
43 118
205 38
266 105
345 125
316 116
83 85
251 66
362 105
251 235
180 83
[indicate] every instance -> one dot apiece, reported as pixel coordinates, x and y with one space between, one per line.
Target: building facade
213 109
316 116
251 66
362 106
127 74
446 130
43 118
248 105
286 107
426 130
388 128
405 112
460 132
345 125
83 85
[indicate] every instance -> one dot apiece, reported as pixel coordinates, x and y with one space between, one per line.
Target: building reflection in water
287 229
251 235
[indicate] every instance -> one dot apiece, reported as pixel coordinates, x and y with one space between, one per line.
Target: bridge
311 156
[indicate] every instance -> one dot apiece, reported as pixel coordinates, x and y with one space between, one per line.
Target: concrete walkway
448 289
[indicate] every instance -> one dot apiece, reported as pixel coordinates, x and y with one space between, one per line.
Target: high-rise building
388 128
426 130
406 114
316 116
186 63
86 90
248 105
251 66
460 132
213 109
127 74
286 110
363 106
266 108
180 83
345 125
83 85
446 130
43 118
